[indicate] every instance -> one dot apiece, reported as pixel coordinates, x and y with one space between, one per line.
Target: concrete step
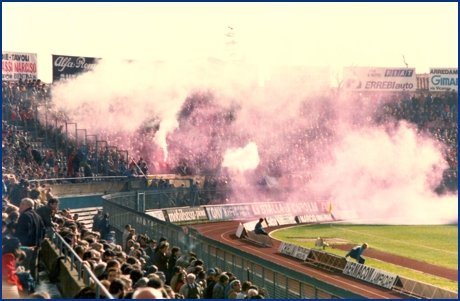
85 215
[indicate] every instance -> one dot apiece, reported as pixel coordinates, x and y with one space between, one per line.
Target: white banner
271 221
157 214
287 249
186 214
369 274
19 65
379 79
285 219
443 79
301 253
307 218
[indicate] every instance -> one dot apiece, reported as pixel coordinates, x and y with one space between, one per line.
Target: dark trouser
27 281
361 260
31 262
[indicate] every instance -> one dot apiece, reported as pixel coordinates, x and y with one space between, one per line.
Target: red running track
225 233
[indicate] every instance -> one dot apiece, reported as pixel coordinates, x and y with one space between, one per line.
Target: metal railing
79 180
278 281
77 262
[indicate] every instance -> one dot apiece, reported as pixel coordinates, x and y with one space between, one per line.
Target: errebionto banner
443 79
19 65
379 79
67 67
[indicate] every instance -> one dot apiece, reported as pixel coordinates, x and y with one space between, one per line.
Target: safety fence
77 263
278 281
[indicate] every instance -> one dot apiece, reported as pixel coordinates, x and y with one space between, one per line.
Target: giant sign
369 274
244 211
67 67
19 65
443 79
379 79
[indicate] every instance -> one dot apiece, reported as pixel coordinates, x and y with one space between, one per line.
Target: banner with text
379 79
19 65
246 211
443 79
369 274
186 214
67 67
157 214
285 219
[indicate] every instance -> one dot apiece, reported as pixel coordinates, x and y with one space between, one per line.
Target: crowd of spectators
137 267
305 141
140 268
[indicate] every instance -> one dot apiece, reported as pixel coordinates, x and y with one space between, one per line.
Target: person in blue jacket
259 229
356 252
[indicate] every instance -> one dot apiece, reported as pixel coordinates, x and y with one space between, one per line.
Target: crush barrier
417 289
326 261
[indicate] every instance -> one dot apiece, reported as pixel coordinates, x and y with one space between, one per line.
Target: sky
304 34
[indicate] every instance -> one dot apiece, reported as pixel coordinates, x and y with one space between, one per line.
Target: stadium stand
35 157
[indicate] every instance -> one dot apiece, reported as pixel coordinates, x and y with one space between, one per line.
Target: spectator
47 213
176 276
244 290
117 288
147 293
161 257
181 280
150 250
218 291
104 226
211 282
97 218
10 251
191 290
235 289
30 232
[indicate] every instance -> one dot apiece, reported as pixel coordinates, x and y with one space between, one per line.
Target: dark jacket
104 228
30 229
161 261
46 213
96 222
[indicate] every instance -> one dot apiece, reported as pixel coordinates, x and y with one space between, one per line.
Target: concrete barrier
70 285
89 188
